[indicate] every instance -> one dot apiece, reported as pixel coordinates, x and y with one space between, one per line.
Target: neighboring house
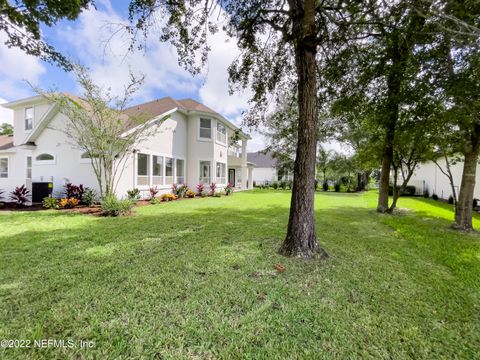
265 168
429 177
192 145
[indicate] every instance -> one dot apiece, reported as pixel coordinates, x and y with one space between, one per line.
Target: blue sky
85 41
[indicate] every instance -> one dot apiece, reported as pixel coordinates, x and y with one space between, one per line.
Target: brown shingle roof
6 141
160 106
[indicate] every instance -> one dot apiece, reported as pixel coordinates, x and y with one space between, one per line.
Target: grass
196 279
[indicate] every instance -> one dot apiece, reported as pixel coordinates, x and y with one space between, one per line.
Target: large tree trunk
464 208
301 240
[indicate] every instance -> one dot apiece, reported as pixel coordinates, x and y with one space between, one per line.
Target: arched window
45 157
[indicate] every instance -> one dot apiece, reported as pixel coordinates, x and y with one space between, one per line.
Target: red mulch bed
81 209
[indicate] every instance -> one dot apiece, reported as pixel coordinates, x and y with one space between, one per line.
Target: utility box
41 190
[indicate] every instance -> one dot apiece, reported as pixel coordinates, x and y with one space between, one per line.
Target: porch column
244 164
250 178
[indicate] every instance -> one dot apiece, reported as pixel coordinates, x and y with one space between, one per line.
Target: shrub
283 184
74 191
68 203
275 185
154 201
203 194
200 188
410 190
228 189
217 194
475 203
174 189
182 189
316 184
213 187
50 203
254 183
325 186
168 197
89 197
20 195
434 196
450 199
337 187
133 194
290 184
111 206
153 192
426 194
190 193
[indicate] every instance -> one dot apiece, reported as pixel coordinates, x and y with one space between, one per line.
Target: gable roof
6 142
261 160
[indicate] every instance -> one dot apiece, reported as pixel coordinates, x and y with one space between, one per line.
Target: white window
29 118
221 173
157 170
3 167
143 169
168 171
221 133
204 172
29 167
180 171
205 129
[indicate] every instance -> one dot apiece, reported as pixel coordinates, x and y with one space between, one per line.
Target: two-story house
191 146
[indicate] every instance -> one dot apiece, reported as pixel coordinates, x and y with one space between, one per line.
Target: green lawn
196 279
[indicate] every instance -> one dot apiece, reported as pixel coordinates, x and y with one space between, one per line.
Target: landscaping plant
213 187
228 189
89 197
190 193
154 201
217 194
153 192
68 203
168 197
182 189
325 186
200 189
50 203
20 196
112 206
74 191
133 194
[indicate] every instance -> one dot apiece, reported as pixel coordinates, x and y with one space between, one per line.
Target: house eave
30 100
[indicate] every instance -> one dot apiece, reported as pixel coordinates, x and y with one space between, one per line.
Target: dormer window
28 118
205 129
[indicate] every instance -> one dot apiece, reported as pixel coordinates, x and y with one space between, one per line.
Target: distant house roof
261 160
6 142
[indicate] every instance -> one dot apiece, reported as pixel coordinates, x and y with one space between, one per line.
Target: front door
231 176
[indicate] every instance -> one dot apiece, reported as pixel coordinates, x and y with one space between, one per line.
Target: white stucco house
192 145
428 176
265 168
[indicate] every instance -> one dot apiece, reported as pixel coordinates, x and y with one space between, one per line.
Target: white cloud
17 67
214 92
110 62
6 115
